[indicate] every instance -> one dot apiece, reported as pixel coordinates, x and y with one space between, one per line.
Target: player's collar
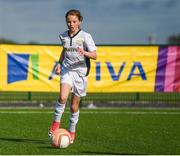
74 34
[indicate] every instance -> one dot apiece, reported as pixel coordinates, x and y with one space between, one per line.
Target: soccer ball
60 138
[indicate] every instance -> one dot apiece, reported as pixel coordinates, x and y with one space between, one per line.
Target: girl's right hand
57 69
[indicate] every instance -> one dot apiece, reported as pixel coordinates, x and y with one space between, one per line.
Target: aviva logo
19 65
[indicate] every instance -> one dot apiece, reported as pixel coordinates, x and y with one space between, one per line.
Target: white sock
74 117
59 110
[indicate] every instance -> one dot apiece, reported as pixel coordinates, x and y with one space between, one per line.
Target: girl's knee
74 107
62 99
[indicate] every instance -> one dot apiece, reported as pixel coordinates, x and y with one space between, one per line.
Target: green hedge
41 96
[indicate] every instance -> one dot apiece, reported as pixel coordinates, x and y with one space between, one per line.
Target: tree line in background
173 39
9 41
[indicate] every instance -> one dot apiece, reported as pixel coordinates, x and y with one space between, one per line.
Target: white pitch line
129 112
93 112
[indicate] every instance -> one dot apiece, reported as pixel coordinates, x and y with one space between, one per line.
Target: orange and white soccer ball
60 138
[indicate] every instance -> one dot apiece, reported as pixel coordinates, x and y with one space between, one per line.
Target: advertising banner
117 69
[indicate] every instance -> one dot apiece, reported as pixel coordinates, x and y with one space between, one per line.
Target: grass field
99 131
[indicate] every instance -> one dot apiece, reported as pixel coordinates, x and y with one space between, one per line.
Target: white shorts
77 83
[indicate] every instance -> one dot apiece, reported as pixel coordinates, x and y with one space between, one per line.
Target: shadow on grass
25 140
45 142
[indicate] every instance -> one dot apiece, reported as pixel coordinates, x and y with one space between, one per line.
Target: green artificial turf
99 131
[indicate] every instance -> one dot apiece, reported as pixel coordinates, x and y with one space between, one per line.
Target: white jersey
72 59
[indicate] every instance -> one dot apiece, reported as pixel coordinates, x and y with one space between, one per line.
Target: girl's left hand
81 51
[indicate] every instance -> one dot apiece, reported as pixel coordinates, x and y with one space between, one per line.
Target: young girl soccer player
74 65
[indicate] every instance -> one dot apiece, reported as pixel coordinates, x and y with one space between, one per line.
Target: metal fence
97 99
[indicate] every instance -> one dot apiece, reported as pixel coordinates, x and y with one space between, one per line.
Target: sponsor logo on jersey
70 49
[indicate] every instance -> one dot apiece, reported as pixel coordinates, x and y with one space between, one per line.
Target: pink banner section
177 72
170 69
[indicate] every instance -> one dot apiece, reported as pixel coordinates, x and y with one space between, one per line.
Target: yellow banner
29 68
124 69
117 69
